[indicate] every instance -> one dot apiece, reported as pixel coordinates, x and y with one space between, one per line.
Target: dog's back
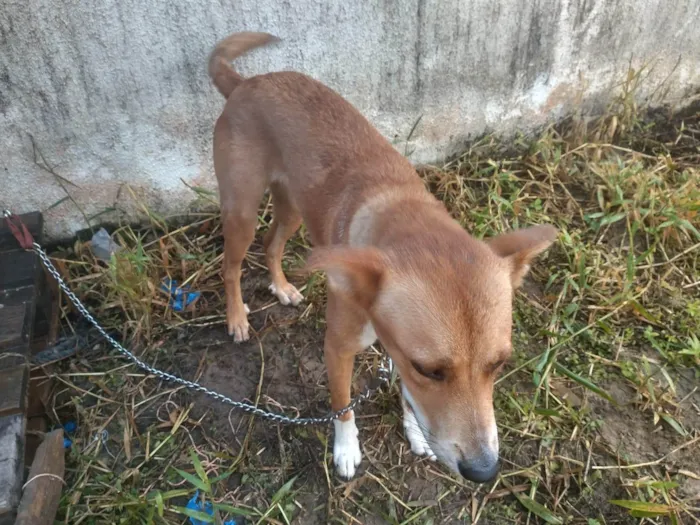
336 157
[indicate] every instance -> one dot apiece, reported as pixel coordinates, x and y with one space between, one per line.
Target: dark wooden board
18 268
35 224
47 316
12 323
16 323
39 391
11 465
36 427
13 390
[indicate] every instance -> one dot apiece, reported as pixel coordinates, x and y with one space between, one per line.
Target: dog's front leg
346 445
343 340
414 433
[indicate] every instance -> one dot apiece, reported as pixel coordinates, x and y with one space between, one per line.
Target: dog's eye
436 375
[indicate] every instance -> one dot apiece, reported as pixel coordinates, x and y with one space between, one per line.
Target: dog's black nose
479 470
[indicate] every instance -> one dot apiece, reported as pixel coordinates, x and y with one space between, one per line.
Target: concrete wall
96 95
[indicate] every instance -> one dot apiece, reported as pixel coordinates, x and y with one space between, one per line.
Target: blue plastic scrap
196 504
180 297
69 428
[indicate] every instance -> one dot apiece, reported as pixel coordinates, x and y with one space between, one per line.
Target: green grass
599 410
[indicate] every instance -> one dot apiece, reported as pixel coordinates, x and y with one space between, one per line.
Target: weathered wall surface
95 96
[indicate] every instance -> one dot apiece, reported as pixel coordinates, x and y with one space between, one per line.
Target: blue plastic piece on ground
70 427
180 297
67 442
196 504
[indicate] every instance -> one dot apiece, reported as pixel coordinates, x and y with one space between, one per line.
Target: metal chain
383 372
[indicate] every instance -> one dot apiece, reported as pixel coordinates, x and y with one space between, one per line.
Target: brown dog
399 268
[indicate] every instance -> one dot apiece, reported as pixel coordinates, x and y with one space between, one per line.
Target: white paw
419 445
286 294
238 326
346 448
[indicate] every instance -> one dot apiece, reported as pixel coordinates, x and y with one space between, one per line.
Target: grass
599 411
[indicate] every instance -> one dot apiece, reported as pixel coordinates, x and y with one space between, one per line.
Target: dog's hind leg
242 172
286 220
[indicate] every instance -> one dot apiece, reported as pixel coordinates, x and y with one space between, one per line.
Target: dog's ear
355 273
521 246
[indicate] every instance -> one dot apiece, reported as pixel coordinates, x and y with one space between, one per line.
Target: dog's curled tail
222 74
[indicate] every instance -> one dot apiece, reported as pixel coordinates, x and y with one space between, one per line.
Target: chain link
383 373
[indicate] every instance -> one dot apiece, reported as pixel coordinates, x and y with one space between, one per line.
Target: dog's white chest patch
368 337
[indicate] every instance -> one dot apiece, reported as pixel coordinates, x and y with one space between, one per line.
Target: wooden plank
15 331
38 399
13 296
36 428
47 316
13 390
39 391
11 464
42 493
12 323
18 268
35 224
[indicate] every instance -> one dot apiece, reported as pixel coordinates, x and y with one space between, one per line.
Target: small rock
103 246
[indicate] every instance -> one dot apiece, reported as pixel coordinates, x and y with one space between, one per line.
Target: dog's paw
419 445
286 294
238 326
346 448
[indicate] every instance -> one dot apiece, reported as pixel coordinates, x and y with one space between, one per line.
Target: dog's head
442 308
